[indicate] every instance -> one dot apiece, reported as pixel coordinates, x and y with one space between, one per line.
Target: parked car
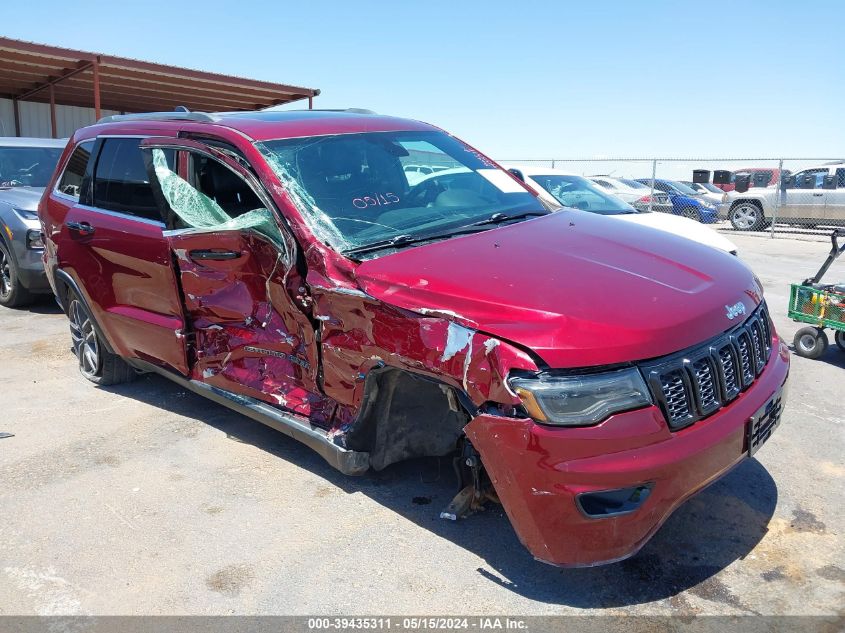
635 193
415 173
685 201
588 373
706 190
802 205
575 191
26 165
759 177
617 188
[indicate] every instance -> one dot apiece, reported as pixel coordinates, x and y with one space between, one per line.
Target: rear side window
121 182
70 183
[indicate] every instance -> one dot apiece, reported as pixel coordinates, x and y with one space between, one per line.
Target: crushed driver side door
248 327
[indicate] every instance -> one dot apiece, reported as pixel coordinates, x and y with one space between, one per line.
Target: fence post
653 175
553 163
777 198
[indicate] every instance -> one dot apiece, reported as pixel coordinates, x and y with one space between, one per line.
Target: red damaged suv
588 373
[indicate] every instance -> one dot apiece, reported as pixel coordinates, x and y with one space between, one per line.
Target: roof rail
202 117
352 110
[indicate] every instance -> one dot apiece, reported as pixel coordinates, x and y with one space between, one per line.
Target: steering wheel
424 194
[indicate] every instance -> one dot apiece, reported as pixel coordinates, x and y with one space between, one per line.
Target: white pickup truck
809 202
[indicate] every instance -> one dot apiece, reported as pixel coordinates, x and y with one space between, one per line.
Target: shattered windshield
360 189
27 166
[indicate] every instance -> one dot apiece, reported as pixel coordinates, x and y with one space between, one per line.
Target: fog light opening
610 503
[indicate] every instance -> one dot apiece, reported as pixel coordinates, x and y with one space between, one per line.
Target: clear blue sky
516 79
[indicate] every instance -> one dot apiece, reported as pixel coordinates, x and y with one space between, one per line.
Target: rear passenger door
805 202
112 243
246 304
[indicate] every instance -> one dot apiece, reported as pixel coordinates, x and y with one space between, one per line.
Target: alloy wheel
84 338
5 275
690 213
745 216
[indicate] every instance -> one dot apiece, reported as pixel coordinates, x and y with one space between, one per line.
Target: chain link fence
775 195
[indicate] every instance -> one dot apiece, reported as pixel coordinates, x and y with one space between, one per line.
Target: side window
810 178
70 183
213 199
222 185
120 179
840 178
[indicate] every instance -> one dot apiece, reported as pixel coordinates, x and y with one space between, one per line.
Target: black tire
746 216
839 337
12 293
96 363
810 342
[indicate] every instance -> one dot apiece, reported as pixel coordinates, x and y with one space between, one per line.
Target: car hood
21 197
684 227
578 289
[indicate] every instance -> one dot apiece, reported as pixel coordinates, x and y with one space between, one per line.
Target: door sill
346 461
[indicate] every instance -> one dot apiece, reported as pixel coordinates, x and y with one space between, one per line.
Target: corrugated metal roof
28 70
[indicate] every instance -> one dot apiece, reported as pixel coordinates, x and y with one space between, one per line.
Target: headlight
34 240
581 400
26 214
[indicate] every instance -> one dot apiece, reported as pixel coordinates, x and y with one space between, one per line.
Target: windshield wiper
398 240
498 218
405 240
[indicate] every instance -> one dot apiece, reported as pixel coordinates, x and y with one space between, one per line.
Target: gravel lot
146 499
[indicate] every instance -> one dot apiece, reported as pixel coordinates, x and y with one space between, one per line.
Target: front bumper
538 471
722 210
31 269
28 261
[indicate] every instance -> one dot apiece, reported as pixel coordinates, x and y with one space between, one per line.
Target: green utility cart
821 305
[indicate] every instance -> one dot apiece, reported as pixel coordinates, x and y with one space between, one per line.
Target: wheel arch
405 414
755 201
64 283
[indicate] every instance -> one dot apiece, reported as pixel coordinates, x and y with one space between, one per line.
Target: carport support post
53 112
653 176
95 67
777 198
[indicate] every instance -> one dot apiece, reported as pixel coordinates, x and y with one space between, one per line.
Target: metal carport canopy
50 74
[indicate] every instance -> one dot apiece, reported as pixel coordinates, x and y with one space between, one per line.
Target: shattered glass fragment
199 211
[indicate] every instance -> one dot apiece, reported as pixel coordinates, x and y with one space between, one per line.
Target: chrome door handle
80 227
818 195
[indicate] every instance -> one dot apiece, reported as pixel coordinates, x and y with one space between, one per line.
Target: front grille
730 376
744 345
697 382
707 387
676 395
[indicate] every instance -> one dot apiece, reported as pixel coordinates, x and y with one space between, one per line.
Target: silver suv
810 197
26 165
